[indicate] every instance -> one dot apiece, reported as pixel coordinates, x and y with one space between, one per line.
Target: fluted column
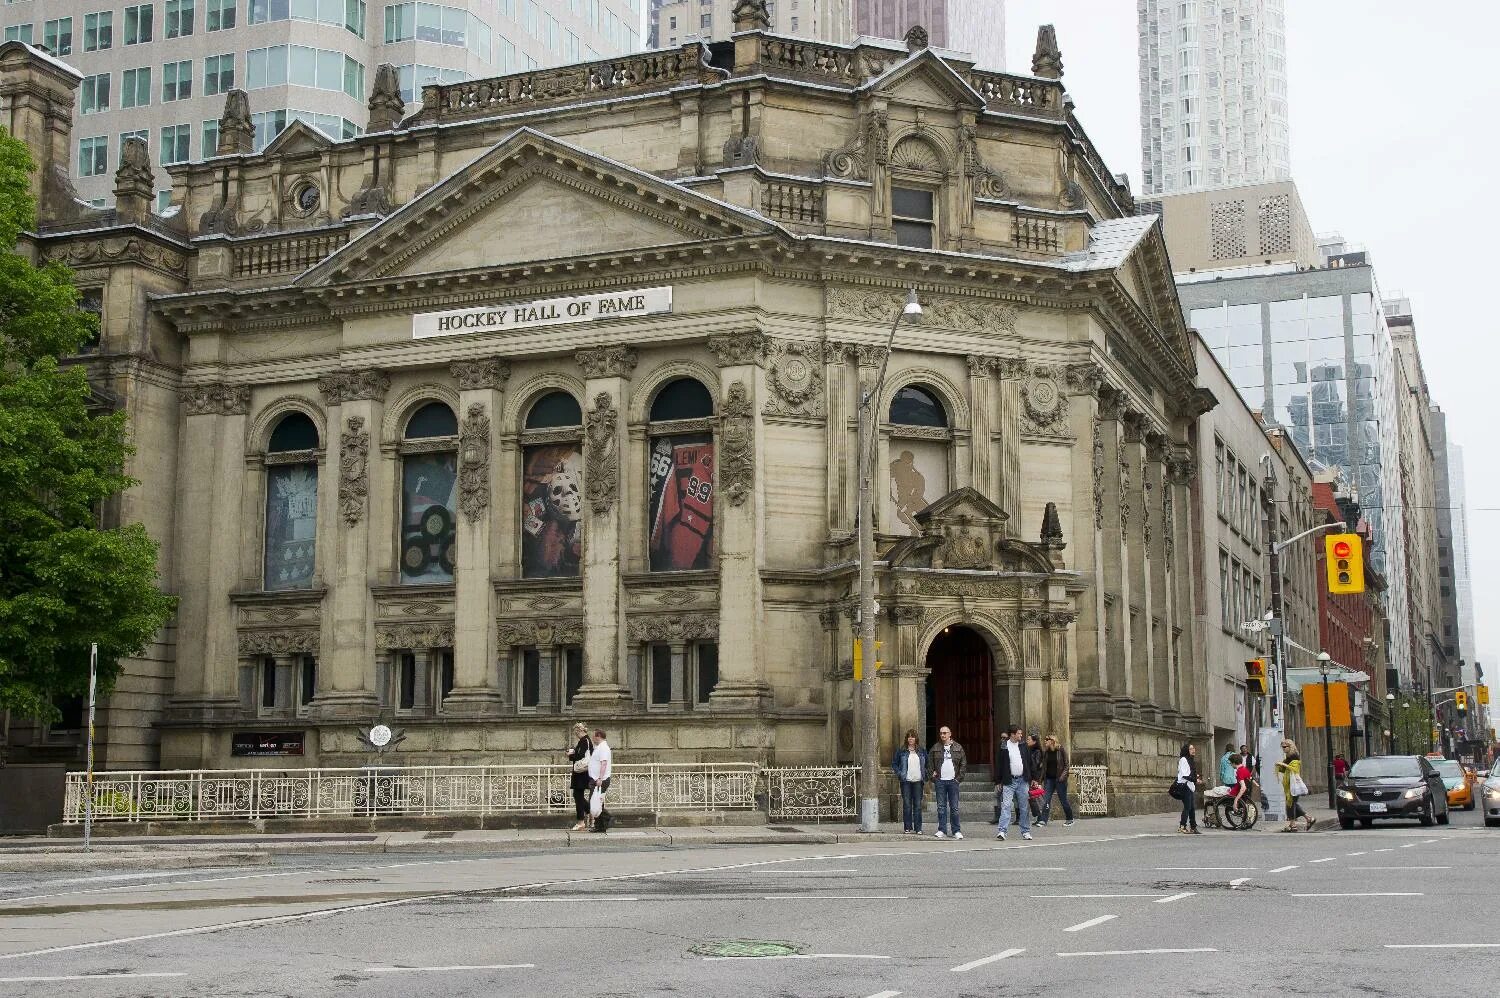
1181 555
356 402
737 511
1136 611
1114 600
606 372
838 441
1010 371
981 417
1158 599
474 638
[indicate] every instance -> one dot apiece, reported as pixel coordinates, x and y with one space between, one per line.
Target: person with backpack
910 765
1185 789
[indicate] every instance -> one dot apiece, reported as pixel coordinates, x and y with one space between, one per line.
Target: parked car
1392 786
1489 796
1458 781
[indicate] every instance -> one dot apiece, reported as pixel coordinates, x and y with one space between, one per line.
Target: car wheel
1491 823
1427 817
1445 817
1346 823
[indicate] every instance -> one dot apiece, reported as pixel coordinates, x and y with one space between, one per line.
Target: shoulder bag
1297 785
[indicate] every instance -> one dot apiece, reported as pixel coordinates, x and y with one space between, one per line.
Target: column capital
607 362
352 386
216 399
481 374
739 348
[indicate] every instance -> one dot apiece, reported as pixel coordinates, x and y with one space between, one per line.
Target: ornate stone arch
408 402
922 152
955 400
643 390
1003 641
263 424
519 400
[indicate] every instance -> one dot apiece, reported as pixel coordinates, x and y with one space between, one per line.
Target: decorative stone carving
606 362
488 373
828 617
751 15
1098 473
736 349
1168 541
736 450
1061 620
544 633
963 549
386 106
1034 617
916 38
1046 61
365 385
1044 406
903 614
104 251
741 150
331 387
601 474
412 637
984 181
135 184
1086 378
994 317
1147 488
684 627
234 400
1124 491
216 399
354 470
474 463
977 588
1052 533
236 131
303 641
1181 467
795 377
869 147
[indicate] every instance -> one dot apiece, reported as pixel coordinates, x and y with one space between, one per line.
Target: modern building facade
1444 516
1230 227
1458 505
538 406
159 70
1213 86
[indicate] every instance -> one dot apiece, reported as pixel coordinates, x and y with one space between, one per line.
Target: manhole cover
746 948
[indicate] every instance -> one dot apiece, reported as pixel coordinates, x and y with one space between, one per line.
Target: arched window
918 449
429 473
916 171
291 504
552 487
681 472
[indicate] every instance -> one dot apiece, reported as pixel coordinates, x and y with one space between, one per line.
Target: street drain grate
749 948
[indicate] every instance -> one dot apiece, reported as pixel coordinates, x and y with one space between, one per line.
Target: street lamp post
1390 721
1405 724
1325 662
869 732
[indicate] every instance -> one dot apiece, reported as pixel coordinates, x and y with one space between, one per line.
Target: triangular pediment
924 79
962 505
297 139
533 198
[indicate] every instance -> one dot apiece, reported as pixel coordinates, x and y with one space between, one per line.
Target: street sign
1338 705
859 658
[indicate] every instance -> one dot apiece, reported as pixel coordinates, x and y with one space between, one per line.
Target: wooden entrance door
960 691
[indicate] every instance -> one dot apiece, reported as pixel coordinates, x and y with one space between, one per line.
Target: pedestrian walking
1340 766
578 756
1186 789
1227 766
1055 780
1034 792
601 766
1293 786
946 760
1013 778
910 765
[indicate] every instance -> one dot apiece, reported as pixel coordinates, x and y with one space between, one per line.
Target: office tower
1213 94
159 70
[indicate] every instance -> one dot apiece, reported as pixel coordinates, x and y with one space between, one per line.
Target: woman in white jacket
1187 783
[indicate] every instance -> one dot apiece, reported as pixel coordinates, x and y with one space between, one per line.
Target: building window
531 678
681 473
218 76
445 673
174 144
350 14
1219 481
307 682
93 95
98 31
552 487
218 15
918 451
661 675
177 81
299 65
57 36
177 18
138 24
1224 591
406 680
210 146
706 655
912 216
291 544
428 477
93 156
268 684
19 33
135 87
572 674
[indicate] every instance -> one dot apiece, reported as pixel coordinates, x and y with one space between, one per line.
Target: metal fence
815 792
1089 788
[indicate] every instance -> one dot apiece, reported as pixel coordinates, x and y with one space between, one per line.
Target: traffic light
859 658
1255 675
1346 563
1461 701
1482 694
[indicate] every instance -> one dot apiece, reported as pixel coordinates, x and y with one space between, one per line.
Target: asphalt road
1105 907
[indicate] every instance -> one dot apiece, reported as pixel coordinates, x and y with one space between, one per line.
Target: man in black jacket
1013 778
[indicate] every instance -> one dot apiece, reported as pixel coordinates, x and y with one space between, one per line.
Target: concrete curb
37 861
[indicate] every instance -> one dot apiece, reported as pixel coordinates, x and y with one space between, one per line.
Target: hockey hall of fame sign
543 312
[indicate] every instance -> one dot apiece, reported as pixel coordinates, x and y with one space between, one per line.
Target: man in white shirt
601 762
1013 778
946 760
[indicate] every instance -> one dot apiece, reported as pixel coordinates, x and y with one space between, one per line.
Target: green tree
64 582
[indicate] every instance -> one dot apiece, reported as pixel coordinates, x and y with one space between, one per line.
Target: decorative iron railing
815 792
1089 787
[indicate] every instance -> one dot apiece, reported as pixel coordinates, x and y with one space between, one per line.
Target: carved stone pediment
965 530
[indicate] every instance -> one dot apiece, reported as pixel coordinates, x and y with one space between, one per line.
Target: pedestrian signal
1461 701
1482 694
1255 675
1346 563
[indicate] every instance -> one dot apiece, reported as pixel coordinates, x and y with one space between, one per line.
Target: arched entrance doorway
960 691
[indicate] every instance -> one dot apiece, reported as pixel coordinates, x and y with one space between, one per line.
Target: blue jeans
911 805
1060 786
947 806
1015 798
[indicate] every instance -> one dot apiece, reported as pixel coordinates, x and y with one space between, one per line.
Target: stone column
679 674
248 689
1035 653
1114 639
285 685
386 692
838 441
421 697
1010 372
606 393
474 636
981 470
213 477
1059 681
1158 597
1180 556
737 508
356 401
1132 508
546 678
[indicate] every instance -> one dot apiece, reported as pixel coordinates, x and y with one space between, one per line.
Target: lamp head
912 308
1323 656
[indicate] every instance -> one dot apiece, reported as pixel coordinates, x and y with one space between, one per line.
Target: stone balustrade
791 202
285 253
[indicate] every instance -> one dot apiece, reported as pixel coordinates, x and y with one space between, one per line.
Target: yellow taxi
1458 780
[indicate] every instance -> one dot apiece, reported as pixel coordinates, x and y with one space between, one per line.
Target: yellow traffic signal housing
1255 675
859 658
1461 700
1482 694
1345 563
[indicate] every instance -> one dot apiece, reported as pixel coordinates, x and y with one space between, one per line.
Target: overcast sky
1392 145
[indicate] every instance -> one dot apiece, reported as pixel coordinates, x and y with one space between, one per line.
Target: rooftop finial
135 184
236 132
752 15
386 105
916 38
1047 62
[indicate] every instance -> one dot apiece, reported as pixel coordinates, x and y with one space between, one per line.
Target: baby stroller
1220 810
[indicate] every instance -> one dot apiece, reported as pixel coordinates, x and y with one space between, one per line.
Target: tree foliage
64 582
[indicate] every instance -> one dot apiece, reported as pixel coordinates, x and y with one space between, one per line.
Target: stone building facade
539 404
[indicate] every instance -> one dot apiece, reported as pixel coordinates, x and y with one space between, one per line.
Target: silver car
1489 798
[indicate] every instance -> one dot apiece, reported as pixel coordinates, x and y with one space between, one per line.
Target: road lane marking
886 994
809 873
964 968
1206 869
1174 897
1365 894
1353 854
1326 859
1090 923
1409 845
801 956
1086 897
1442 945
572 899
1238 881
1387 849
1139 952
1283 869
453 969
1400 867
81 977
834 897
1015 869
